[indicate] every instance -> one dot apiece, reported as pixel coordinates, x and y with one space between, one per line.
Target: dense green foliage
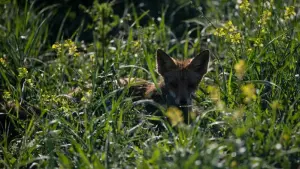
65 110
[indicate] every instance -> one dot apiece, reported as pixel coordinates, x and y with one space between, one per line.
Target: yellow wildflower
29 81
175 115
249 51
22 72
235 38
258 42
136 44
3 62
285 137
238 113
87 96
77 54
67 45
229 31
276 105
72 50
265 17
244 6
240 68
220 32
6 95
289 12
71 46
58 47
92 57
230 27
249 92
214 93
233 164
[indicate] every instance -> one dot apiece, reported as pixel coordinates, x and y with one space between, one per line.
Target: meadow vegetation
65 110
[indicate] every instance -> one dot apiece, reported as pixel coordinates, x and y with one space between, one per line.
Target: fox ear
164 62
199 64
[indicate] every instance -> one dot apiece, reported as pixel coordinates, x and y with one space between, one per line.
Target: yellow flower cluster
214 93
276 105
215 96
265 17
258 42
175 115
58 47
6 95
30 83
245 6
72 48
240 69
87 96
230 27
3 62
235 38
220 32
63 103
249 51
22 72
229 31
69 45
289 12
248 91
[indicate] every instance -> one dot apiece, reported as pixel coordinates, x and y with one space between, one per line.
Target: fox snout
182 97
183 101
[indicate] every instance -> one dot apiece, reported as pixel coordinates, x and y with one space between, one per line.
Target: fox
180 80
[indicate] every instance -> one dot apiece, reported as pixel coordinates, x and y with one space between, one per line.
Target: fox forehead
184 80
181 71
182 74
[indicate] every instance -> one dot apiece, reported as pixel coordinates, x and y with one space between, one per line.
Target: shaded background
177 12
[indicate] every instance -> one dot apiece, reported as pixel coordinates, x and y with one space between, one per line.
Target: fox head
181 78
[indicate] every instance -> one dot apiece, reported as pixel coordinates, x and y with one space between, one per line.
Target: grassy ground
247 106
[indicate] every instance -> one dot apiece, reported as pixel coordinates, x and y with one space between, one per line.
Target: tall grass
65 109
